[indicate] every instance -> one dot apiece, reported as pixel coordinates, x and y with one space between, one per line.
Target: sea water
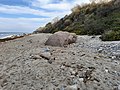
8 34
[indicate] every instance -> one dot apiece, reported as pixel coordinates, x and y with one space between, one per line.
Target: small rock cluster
111 49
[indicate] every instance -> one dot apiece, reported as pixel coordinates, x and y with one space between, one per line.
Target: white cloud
25 24
21 10
63 5
42 2
52 6
26 10
81 1
60 6
51 11
21 24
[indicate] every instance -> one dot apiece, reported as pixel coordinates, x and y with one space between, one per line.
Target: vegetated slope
91 19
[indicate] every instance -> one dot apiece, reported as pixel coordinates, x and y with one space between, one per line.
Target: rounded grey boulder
61 39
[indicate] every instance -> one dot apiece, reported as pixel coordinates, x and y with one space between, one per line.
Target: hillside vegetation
91 19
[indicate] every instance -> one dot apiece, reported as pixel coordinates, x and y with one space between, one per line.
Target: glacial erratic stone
61 39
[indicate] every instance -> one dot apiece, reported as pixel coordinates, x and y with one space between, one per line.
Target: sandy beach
27 64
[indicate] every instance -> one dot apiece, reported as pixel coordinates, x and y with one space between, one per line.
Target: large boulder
61 39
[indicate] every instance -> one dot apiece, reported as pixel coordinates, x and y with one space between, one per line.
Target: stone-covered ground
89 64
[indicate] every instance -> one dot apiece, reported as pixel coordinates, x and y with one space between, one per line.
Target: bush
111 36
67 22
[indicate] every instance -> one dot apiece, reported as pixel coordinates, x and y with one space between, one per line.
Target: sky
28 15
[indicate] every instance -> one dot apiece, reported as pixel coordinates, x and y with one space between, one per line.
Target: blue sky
28 15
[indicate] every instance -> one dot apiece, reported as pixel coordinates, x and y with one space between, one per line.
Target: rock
72 71
47 49
81 79
50 61
4 83
118 73
118 87
93 37
82 55
62 88
100 50
30 41
117 55
87 76
113 57
61 39
72 87
35 57
46 55
106 70
62 67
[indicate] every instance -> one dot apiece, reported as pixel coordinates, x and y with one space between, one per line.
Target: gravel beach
89 64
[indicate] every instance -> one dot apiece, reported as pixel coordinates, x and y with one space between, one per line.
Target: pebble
100 50
118 87
106 70
72 71
81 79
62 88
46 55
46 49
113 57
118 73
35 57
62 67
72 87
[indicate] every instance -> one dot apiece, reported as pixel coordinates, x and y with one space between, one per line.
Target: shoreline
12 37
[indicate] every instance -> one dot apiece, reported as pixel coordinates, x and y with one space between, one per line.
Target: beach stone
46 49
81 79
118 87
35 57
72 87
46 55
61 39
117 54
100 49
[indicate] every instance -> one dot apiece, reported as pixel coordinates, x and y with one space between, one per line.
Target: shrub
111 36
67 22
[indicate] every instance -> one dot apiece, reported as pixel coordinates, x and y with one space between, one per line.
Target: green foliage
94 27
67 22
111 36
